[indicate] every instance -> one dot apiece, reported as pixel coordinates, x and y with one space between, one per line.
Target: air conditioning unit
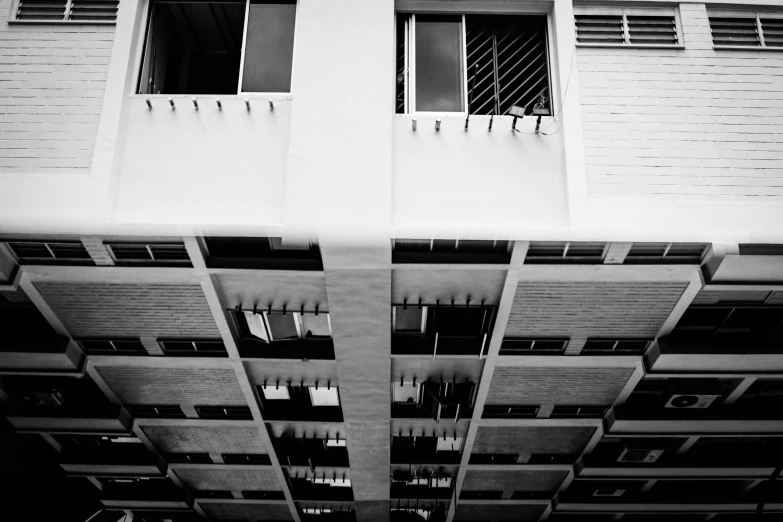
643 456
37 398
608 492
691 401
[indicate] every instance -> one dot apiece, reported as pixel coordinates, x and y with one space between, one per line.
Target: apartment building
344 260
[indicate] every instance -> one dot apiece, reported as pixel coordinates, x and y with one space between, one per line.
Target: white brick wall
695 124
52 79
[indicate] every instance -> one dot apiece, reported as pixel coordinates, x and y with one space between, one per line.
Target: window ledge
633 46
61 22
746 48
273 96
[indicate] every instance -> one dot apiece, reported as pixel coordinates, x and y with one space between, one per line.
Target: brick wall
50 101
184 387
181 439
232 480
695 123
592 309
147 311
510 481
517 513
547 386
226 511
526 441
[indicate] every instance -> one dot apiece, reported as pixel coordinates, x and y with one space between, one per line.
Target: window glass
460 322
449 444
324 396
255 325
269 49
282 326
409 320
316 325
439 74
276 393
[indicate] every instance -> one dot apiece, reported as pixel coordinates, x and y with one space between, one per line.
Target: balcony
312 452
142 492
431 329
102 455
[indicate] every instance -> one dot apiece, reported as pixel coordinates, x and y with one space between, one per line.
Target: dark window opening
224 412
566 412
196 48
323 487
192 458
315 403
533 346
50 253
509 411
164 411
760 249
263 495
213 493
279 334
441 330
55 396
412 485
426 450
666 253
312 452
673 394
82 11
560 252
494 458
263 253
615 347
467 494
113 346
139 254
246 458
463 251
438 401
198 348
757 329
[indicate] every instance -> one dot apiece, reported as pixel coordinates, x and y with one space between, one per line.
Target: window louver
113 346
533 346
615 347
599 29
28 251
772 28
507 63
502 411
565 412
665 253
734 31
164 411
152 253
652 30
224 412
41 10
94 10
576 252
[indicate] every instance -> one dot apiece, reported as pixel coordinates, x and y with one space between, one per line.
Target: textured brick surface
182 386
707 297
180 439
519 513
697 123
51 98
147 311
231 480
510 481
575 386
525 441
586 309
226 511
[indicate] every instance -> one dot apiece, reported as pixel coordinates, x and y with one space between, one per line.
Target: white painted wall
53 79
692 124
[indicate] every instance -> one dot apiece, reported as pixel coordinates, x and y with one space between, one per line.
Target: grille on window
401 72
576 252
149 253
533 346
113 346
564 412
599 29
41 10
165 411
507 63
503 411
195 458
94 10
204 348
224 412
648 30
773 31
62 250
667 253
246 458
615 347
734 31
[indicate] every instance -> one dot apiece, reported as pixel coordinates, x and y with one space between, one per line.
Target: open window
284 334
472 63
218 47
300 402
434 400
441 330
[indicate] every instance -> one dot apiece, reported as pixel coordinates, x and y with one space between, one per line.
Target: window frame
745 13
298 323
12 18
146 24
632 11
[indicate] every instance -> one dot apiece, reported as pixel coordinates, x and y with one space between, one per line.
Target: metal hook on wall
171 102
195 102
149 103
247 104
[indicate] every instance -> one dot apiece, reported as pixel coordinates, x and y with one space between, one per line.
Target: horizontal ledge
216 466
569 361
640 508
239 501
194 423
519 467
506 502
745 48
61 22
646 473
624 427
451 266
262 96
633 46
538 423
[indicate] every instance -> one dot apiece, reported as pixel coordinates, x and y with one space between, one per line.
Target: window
192 458
224 412
760 249
132 254
276 393
262 252
198 348
262 495
610 26
533 346
219 47
564 412
615 347
454 251
300 402
324 396
565 252
78 11
113 346
471 63
746 29
275 326
441 330
165 411
246 458
505 411
666 253
50 252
